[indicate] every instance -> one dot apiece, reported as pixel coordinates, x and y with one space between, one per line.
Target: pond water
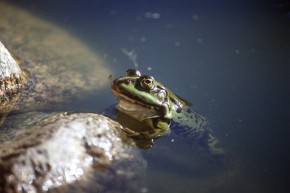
230 59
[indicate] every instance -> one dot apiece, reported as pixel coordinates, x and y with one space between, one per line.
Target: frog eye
133 72
147 82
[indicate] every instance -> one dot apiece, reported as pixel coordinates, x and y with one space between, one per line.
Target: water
229 58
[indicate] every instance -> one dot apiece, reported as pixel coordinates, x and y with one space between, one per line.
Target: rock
67 152
10 73
57 152
11 81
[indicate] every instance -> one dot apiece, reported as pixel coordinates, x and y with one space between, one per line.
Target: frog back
188 122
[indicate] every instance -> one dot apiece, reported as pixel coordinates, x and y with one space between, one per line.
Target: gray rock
10 72
11 81
68 152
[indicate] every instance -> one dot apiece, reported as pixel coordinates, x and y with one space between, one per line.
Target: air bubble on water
144 190
177 44
199 40
149 68
151 15
195 17
143 39
156 16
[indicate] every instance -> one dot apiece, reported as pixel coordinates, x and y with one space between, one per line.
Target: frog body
158 111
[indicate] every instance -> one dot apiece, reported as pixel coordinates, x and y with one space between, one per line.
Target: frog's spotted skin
148 101
195 123
191 124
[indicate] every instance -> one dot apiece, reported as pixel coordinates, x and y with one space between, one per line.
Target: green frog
155 110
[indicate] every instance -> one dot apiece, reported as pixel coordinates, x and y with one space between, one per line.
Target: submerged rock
60 67
67 152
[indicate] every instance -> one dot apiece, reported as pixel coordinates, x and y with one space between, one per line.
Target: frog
158 111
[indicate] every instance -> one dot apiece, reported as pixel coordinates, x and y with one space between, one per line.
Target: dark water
229 58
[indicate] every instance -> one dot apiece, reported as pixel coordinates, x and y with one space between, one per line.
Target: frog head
142 97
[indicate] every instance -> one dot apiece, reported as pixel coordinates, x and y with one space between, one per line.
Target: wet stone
10 72
67 152
11 81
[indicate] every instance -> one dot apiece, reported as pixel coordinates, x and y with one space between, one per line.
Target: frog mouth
122 97
118 93
133 107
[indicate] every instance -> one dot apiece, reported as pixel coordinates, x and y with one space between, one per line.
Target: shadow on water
230 59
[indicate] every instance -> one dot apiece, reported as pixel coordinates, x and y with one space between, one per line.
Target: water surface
230 59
